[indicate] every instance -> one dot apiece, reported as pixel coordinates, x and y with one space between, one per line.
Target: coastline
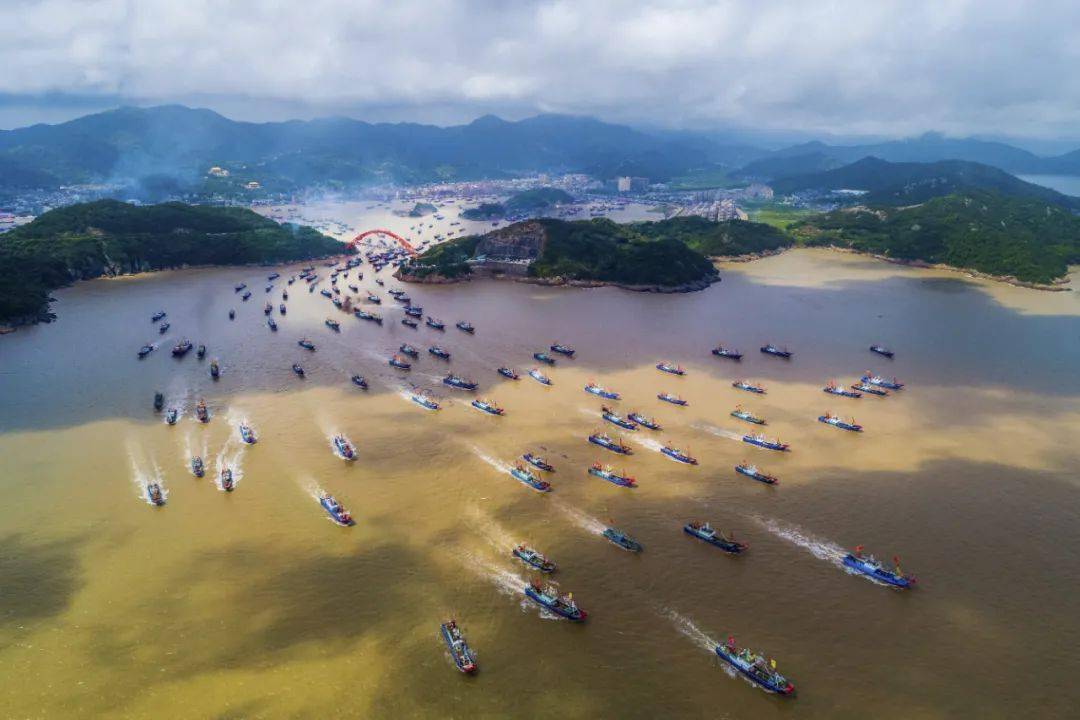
434 279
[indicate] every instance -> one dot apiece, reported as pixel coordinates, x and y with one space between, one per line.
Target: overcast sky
873 67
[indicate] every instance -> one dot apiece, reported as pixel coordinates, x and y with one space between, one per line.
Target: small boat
878 381
830 419
215 369
459 650
763 442
269 288
670 368
623 540
343 447
488 406
232 314
544 358
372 317
158 316
292 279
748 386
399 362
771 349
870 389
172 416
326 293
432 322
520 472
751 471
154 495
833 389
159 401
353 288
379 282
644 420
409 350
456 381
409 323
311 288
562 349
702 531
197 467
755 668
145 350
673 399
539 377
273 276
268 308
508 373
869 566
746 415
549 597
678 455
201 413
464 326
200 352
402 297
538 462
881 350
372 298
247 434
359 381
730 353
615 419
414 311
282 309
607 473
246 296
439 352
606 441
333 324
297 369
602 392
163 328
227 482
239 287
306 344
424 401
271 324
534 559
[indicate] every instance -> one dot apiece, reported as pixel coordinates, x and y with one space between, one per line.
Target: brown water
253 604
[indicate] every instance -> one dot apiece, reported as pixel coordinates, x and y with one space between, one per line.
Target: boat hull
753 677
573 616
889 578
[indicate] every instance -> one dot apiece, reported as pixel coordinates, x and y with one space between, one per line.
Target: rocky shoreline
434 279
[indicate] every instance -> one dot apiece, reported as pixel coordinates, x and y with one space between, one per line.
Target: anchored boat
533 559
616 419
200 352
181 348
333 325
508 373
163 328
869 566
336 512
644 420
159 315
751 471
271 324
606 472
145 350
673 399
410 323
703 531
306 344
371 317
399 362
830 419
359 381
606 441
721 351
747 386
618 537
833 389
539 377
465 326
755 668
746 415
878 381
297 369
159 401
670 368
433 323
439 352
881 350
562 349
407 349
414 311
549 597
771 349
870 389
520 472
544 358
602 392
459 650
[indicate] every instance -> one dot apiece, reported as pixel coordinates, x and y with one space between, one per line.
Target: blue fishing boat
145 350
439 352
881 350
537 461
246 296
539 377
755 668
544 358
372 298
670 368
160 314
833 389
181 348
508 373
488 406
751 471
644 420
326 293
459 650
878 381
464 326
830 419
172 416
433 323
869 566
606 472
414 311
424 401
197 467
618 537
201 412
602 392
534 559
239 287
154 495
399 362
606 441
869 389
273 276
562 349
333 324
271 324
407 349
228 484
520 472
746 415
703 531
306 344
370 317
336 512
549 597
343 447
673 399
360 382
749 387
615 419
456 381
771 349
731 354
409 323
163 328
678 455
232 314
247 434
215 369
297 369
763 442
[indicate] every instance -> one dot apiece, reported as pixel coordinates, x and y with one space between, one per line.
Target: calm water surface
253 604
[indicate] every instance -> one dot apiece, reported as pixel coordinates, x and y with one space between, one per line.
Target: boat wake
144 472
493 462
582 519
647 442
231 456
718 431
507 582
690 630
821 549
333 448
191 449
497 536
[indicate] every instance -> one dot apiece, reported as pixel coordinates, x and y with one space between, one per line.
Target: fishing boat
414 311
533 559
201 413
538 462
282 309
539 377
606 472
399 362
730 353
606 441
456 381
200 352
306 344
227 482
215 369
239 287
830 419
602 392
869 389
410 323
163 328
297 369
402 297
424 401
160 314
326 293
232 314
311 288
520 472
439 352
197 467
562 349
746 415
508 373
881 350
488 406
878 381
273 276
379 282
644 420
433 323
751 471
359 381
748 386
271 324
771 349
755 668
336 512
370 317
459 650
873 568
670 368
615 419
154 495
268 308
464 326
833 389
763 442
678 455
246 296
375 299
172 416
673 399
618 537
159 401
333 325
343 447
544 358
145 350
549 597
703 531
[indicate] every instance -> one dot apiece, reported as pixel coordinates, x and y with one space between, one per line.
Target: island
421 209
526 202
109 237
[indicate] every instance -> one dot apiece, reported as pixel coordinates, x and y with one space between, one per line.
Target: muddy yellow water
253 604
